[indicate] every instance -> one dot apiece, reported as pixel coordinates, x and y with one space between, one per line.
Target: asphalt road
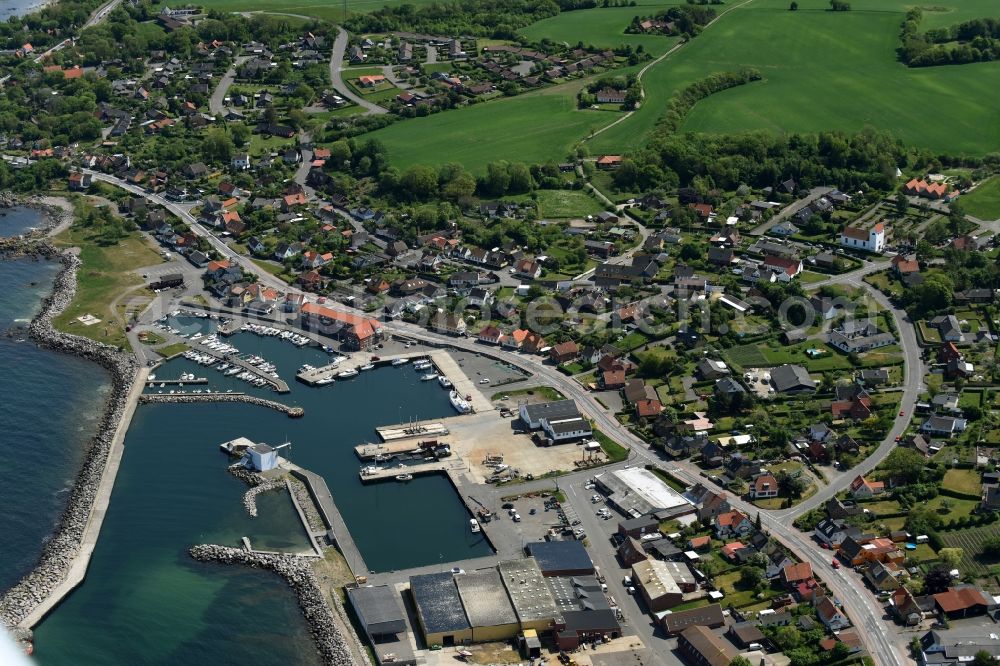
858 603
336 64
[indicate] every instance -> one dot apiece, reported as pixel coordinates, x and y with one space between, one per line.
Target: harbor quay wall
62 563
222 397
299 575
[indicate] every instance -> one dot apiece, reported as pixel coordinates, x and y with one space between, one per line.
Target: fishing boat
404 477
367 366
474 525
400 361
347 374
429 377
461 405
444 382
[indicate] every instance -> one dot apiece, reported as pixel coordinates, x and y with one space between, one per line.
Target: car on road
484 380
836 564
898 437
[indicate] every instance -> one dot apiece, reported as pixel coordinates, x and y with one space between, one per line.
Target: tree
982 658
418 182
794 6
788 638
937 580
905 463
751 577
951 556
217 146
902 204
240 134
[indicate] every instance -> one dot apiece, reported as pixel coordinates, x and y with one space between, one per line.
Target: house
730 549
721 256
559 420
701 646
793 574
901 265
905 607
948 328
241 161
763 486
870 238
448 323
833 532
79 181
862 488
943 426
564 352
370 81
880 577
491 335
528 268
356 331
929 190
732 524
792 379
609 161
784 268
830 615
610 96
856 336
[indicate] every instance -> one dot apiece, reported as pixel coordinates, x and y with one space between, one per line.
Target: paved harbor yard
474 436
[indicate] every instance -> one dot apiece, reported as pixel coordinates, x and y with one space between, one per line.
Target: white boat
324 382
461 405
422 364
404 477
444 382
400 361
346 374
429 377
474 525
367 366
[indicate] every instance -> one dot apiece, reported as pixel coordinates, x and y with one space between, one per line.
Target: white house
241 161
260 458
560 420
871 239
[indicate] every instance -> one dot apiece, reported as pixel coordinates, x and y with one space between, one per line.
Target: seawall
64 558
293 412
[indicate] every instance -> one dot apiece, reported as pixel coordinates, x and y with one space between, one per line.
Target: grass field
984 201
603 28
816 79
106 274
561 204
963 481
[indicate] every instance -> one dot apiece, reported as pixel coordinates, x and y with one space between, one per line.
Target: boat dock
391 433
318 374
394 448
277 383
229 328
368 475
175 382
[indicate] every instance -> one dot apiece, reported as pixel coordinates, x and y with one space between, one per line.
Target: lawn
815 79
984 201
963 481
612 449
172 350
761 355
105 275
543 392
562 204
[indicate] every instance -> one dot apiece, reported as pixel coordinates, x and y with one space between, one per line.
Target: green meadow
984 201
601 27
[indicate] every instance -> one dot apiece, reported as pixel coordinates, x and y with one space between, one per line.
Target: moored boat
429 377
444 382
474 525
404 477
346 374
400 361
367 366
461 405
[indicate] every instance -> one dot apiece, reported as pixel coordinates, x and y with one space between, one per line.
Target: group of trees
500 19
977 40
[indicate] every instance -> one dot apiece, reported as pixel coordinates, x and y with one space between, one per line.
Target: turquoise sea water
146 602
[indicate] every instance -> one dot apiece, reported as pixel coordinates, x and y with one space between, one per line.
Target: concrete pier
383 473
175 382
315 375
330 514
391 433
395 448
78 569
277 383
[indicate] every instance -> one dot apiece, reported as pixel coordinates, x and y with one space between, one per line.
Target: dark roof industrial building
440 609
487 605
381 615
561 558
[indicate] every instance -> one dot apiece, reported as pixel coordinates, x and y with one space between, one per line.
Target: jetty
175 382
277 383
391 433
312 377
369 451
188 398
371 474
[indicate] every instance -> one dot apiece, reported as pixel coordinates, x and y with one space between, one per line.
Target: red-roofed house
491 335
783 267
830 615
902 265
564 352
962 601
862 488
648 408
609 161
704 210
921 188
358 332
729 550
793 574
732 524
763 487
699 542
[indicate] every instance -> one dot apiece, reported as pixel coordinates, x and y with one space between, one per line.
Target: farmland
984 201
814 79
603 27
971 542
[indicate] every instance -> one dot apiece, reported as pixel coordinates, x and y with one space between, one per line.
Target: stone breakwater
61 550
259 485
307 504
302 579
293 412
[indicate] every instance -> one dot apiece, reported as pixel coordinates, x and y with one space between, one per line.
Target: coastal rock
302 579
60 551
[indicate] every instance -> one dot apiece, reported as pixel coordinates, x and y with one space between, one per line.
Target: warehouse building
657 586
530 596
487 606
439 609
561 558
636 492
381 616
561 421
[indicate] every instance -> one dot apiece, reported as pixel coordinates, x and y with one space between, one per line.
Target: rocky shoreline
54 215
300 576
60 551
293 412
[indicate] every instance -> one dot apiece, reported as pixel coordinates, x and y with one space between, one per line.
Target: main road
844 584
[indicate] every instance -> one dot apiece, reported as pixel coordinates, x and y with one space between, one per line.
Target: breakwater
300 576
190 398
258 485
60 553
